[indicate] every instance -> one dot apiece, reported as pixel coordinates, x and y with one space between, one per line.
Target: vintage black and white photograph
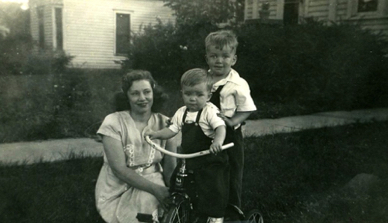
194 111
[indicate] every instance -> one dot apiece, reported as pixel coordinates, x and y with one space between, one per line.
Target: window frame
115 13
381 12
54 22
41 29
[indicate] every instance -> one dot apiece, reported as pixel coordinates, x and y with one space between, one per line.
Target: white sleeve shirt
208 121
235 95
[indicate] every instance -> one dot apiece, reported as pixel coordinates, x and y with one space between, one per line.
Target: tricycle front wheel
177 214
254 216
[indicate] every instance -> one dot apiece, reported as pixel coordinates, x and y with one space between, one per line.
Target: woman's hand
162 194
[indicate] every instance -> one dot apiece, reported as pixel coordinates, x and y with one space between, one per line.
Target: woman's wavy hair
121 98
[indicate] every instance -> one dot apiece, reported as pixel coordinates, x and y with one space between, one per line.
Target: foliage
292 70
14 52
167 51
19 56
200 11
65 105
19 53
14 18
319 67
46 62
15 39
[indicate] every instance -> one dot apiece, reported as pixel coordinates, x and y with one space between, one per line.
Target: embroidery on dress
129 150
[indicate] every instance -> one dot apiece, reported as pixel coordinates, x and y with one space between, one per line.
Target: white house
370 14
96 32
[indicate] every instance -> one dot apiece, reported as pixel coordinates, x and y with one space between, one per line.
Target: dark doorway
291 12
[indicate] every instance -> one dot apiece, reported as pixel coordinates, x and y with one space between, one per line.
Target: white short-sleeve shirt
208 121
235 95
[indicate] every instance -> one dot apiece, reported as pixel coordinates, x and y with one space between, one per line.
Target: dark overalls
211 172
236 155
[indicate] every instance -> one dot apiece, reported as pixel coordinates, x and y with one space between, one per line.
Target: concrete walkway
51 150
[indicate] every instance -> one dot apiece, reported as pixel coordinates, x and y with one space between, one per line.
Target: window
291 12
58 38
123 33
367 5
40 13
358 9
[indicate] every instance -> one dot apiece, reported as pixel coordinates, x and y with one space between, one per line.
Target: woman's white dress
116 201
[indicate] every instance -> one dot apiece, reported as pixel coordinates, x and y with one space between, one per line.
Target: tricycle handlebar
184 156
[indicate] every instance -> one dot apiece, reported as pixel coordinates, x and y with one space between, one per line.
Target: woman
131 180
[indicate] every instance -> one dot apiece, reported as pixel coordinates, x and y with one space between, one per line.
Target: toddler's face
220 61
195 97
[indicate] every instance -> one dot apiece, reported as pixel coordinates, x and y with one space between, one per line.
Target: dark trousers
236 163
207 184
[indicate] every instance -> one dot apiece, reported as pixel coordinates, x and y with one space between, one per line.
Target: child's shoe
215 220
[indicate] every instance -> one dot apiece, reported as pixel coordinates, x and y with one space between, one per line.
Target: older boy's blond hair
196 76
221 39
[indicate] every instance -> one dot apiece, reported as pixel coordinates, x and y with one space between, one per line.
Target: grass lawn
294 177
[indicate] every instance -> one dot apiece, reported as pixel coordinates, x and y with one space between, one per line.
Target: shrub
318 67
49 106
19 57
14 51
215 12
166 51
46 62
292 70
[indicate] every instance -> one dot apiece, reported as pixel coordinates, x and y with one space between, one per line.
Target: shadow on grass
300 177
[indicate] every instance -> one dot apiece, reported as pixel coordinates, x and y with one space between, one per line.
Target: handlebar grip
227 146
205 152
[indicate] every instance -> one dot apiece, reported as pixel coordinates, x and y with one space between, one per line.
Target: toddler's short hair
196 76
222 38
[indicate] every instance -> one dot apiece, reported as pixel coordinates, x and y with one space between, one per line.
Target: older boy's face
220 61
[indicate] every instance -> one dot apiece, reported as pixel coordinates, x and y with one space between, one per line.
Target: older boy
231 94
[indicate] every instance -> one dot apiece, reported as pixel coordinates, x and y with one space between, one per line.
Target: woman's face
140 96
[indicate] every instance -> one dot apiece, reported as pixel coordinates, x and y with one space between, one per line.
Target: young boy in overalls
231 94
202 129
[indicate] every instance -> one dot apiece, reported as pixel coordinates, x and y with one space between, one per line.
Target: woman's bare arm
169 162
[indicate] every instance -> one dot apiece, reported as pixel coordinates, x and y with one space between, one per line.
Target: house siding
319 9
342 7
328 11
89 26
47 19
89 29
378 25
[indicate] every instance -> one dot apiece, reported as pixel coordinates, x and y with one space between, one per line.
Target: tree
14 18
206 11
